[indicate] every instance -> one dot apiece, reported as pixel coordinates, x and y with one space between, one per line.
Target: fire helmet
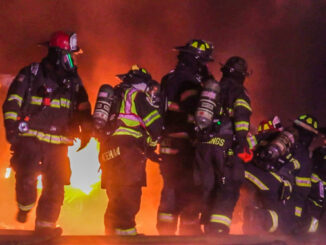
236 65
61 45
64 41
202 50
266 126
135 74
307 122
137 77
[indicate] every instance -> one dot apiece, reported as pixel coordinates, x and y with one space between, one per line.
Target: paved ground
14 237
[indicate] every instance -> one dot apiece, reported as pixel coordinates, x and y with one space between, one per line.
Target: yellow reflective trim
11 115
128 131
252 141
274 217
242 102
302 181
26 207
195 44
315 125
218 218
166 217
55 103
241 126
309 120
276 176
302 117
207 45
130 122
41 223
313 225
297 211
151 117
49 138
16 97
65 103
35 100
296 163
126 232
256 181
315 178
151 142
316 203
202 47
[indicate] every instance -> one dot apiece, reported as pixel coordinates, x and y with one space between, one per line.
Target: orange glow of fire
84 165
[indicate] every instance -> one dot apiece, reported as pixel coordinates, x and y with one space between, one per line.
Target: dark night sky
283 41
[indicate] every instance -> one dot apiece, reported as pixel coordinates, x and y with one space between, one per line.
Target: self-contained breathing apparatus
268 153
207 105
104 101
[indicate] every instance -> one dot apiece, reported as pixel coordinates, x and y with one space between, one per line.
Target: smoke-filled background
283 41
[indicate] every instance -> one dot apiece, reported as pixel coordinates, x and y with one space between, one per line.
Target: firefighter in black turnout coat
181 87
281 172
124 153
222 145
45 103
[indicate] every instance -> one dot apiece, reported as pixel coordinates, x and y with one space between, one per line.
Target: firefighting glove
243 151
152 155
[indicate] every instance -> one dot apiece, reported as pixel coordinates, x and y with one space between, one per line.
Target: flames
84 165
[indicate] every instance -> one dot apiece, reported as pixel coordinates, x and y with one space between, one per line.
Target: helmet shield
63 41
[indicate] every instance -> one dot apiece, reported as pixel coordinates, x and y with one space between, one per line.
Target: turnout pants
269 213
180 197
220 176
123 175
30 159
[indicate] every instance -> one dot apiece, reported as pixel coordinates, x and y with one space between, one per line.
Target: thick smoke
283 42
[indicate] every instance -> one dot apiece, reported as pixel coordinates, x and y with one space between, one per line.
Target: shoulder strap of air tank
34 69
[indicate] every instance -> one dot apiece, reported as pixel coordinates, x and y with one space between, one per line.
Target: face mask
67 62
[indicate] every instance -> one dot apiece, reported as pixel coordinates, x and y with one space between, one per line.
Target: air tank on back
207 103
103 106
280 145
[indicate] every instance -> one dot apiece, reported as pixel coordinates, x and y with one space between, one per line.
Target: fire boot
48 231
216 229
44 228
22 216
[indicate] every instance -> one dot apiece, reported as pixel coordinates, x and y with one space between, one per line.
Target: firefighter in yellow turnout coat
123 154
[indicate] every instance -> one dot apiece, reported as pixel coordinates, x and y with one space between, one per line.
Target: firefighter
181 88
313 212
123 154
281 173
45 102
223 147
